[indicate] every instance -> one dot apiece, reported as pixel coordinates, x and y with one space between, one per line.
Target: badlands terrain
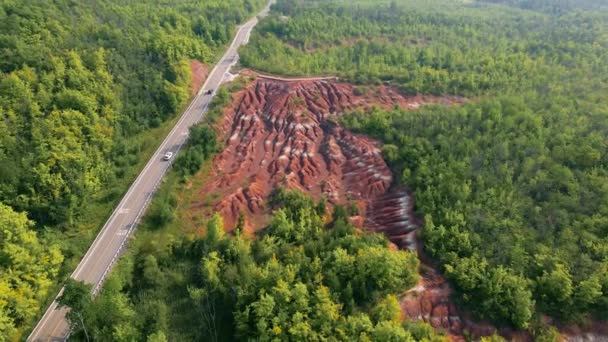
287 133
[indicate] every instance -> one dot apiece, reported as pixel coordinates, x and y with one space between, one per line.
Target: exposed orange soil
430 302
199 74
285 133
281 133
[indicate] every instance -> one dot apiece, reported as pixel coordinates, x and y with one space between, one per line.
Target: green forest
512 185
85 89
433 47
514 198
300 279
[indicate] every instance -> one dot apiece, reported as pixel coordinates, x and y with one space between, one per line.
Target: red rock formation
279 134
282 133
392 214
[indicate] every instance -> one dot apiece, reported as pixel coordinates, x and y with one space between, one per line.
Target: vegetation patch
301 278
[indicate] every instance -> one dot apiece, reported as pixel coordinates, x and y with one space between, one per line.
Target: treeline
432 47
514 193
80 81
552 6
299 279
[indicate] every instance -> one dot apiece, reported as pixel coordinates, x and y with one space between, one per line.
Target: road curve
111 240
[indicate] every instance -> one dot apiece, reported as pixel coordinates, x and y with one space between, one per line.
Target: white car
168 156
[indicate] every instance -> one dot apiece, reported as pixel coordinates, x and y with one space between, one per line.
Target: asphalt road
112 239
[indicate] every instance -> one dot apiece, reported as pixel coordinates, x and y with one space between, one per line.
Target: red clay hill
284 133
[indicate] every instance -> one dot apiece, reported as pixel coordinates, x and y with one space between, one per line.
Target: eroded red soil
430 302
285 133
199 74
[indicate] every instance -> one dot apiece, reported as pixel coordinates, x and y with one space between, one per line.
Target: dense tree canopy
27 269
438 47
79 82
300 279
514 192
555 7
